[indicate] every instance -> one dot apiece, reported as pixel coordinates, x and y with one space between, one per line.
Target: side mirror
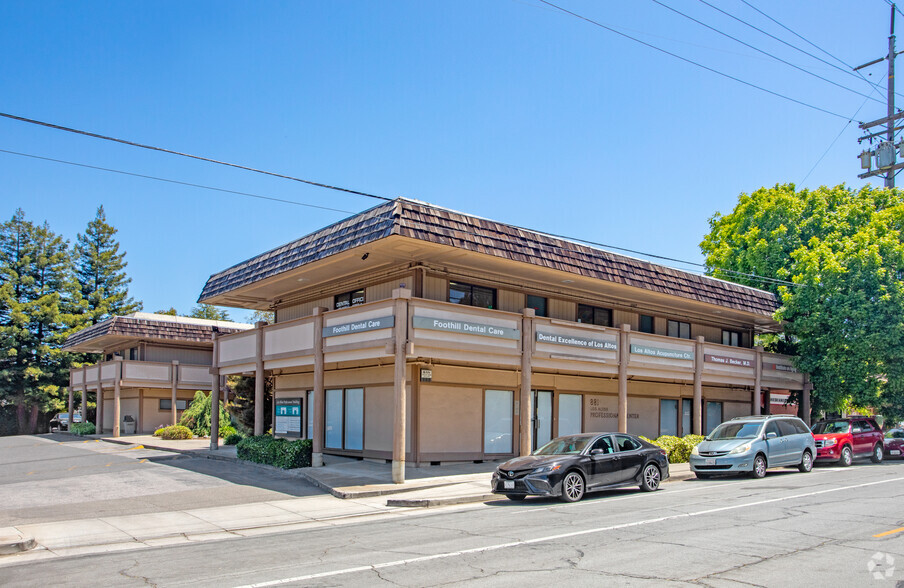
771 435
596 452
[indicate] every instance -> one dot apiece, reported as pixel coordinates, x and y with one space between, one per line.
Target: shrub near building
281 453
678 449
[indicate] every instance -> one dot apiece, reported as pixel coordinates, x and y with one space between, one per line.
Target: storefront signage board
383 322
661 352
468 328
780 367
572 341
287 419
725 360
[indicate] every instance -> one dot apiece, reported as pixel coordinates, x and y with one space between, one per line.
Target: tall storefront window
497 421
713 416
309 430
538 303
344 414
687 407
353 298
354 418
470 295
333 415
679 329
542 417
668 417
594 316
570 410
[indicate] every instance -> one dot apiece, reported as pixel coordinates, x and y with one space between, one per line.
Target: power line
686 60
159 179
198 157
788 63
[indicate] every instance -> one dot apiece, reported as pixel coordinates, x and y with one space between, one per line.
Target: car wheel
572 487
878 454
806 462
759 467
650 479
847 457
703 476
516 497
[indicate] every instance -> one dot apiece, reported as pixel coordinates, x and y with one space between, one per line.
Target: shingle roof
154 327
434 224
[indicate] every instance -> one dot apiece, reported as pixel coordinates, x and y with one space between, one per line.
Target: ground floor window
668 417
687 409
570 414
344 415
167 404
542 417
713 416
497 421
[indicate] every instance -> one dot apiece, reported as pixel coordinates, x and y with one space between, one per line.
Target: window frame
351 298
640 328
595 313
537 311
460 286
739 338
678 328
343 417
169 404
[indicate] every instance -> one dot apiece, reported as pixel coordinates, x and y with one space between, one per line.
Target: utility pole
885 152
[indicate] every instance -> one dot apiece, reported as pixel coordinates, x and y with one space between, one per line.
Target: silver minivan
754 443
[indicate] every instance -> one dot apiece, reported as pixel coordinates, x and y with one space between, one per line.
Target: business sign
573 341
660 352
361 326
468 328
287 419
780 367
725 360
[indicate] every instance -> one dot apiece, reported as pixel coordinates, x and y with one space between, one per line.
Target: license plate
895 452
711 461
508 485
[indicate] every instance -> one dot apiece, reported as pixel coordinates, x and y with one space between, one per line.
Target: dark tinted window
604 443
352 298
772 427
679 329
646 324
866 426
626 443
786 426
594 316
732 338
538 303
470 295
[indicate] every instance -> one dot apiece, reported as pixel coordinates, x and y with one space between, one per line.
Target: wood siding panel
383 290
168 354
710 334
623 317
302 310
510 301
565 310
436 288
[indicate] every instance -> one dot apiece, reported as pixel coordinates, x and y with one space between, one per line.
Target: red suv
841 440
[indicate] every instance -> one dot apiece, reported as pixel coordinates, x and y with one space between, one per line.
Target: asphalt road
58 477
789 529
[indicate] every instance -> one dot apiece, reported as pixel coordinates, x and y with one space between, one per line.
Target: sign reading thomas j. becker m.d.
725 360
384 322
660 352
572 341
456 326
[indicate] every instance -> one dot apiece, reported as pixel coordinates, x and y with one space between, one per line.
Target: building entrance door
542 418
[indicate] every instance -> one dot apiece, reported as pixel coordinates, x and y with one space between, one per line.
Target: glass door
570 421
542 418
668 417
497 421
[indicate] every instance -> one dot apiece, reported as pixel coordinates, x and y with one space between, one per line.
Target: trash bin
128 425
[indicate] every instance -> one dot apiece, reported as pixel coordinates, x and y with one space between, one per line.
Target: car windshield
735 431
895 434
564 446
829 427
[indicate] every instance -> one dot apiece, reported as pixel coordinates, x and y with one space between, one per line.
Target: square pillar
259 380
400 383
624 355
99 413
526 409
174 392
117 396
698 387
758 380
71 406
215 395
319 395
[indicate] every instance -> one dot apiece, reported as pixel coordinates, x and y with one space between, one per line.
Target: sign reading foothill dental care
573 341
384 322
661 352
725 360
468 328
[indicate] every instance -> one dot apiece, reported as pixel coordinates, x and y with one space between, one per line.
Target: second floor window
470 295
679 329
732 338
538 303
594 316
646 324
353 298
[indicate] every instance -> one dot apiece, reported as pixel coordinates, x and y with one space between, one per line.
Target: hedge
678 449
281 453
232 438
82 429
173 432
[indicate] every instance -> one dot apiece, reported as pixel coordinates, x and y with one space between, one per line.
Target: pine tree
100 269
37 313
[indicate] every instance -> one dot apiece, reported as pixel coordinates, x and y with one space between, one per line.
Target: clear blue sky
506 109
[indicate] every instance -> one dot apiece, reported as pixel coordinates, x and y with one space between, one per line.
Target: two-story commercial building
151 367
414 332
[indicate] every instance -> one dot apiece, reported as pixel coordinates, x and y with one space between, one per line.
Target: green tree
242 405
839 254
209 312
100 268
37 313
171 312
197 416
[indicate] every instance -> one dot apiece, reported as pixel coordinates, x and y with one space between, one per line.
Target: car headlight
829 442
546 469
695 451
740 449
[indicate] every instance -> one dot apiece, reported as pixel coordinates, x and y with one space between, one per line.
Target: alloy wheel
573 487
759 467
847 457
806 462
651 478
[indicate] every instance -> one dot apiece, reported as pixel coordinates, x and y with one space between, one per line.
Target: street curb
368 493
17 544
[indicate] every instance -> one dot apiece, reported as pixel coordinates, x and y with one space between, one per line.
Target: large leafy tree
834 256
100 268
37 312
209 312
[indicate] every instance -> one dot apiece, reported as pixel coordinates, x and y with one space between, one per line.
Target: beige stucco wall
450 419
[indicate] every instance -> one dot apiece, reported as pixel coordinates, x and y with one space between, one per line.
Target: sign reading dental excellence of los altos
383 322
466 327
572 341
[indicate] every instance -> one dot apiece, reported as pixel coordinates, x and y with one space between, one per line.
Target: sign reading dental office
661 352
573 341
384 322
725 360
468 328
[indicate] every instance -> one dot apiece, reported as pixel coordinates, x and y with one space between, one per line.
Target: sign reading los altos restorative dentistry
573 341
383 322
661 352
466 327
726 360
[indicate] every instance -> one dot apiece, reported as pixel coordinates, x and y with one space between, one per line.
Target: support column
526 408
99 413
175 382
758 380
259 380
71 407
805 399
624 353
84 395
117 395
767 401
319 396
698 387
215 395
400 383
